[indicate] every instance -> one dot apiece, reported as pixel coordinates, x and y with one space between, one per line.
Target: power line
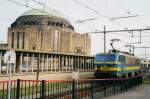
122 7
125 30
75 20
88 7
97 12
124 17
44 4
85 20
120 34
25 5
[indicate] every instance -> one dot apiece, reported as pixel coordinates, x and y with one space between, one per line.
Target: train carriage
115 65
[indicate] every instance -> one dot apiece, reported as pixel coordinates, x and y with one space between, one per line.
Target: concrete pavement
139 92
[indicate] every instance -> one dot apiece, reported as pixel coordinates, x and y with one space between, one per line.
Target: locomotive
116 65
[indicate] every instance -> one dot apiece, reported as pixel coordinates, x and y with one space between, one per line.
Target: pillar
33 62
27 69
43 62
47 62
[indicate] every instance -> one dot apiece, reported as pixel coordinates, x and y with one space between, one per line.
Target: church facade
47 31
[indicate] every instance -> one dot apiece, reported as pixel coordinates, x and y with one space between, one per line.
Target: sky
90 16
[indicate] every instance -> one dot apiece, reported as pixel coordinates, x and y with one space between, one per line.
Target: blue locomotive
116 65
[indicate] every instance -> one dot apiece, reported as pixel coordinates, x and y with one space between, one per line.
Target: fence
60 89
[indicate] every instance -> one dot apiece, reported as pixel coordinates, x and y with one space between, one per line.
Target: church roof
44 12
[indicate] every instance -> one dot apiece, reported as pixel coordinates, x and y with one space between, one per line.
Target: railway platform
139 92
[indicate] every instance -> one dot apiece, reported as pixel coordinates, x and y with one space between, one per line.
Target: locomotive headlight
96 68
114 69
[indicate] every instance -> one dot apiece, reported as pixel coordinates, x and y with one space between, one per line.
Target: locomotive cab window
106 57
121 59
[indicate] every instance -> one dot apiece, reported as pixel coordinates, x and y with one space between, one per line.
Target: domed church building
44 41
47 31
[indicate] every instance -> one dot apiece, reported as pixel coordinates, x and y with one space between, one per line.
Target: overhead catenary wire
67 15
125 30
98 13
75 20
85 20
25 5
124 17
88 7
122 7
120 34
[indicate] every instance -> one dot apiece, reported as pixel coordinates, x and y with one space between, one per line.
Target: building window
17 39
33 48
23 40
12 40
49 22
56 40
79 51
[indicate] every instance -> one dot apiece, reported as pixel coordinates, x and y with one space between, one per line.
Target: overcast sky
114 14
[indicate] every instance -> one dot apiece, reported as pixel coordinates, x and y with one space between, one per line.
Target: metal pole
146 62
92 86
104 39
133 50
73 89
43 89
140 37
9 82
18 89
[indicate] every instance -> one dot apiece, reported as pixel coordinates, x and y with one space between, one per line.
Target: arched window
57 24
53 23
49 22
79 51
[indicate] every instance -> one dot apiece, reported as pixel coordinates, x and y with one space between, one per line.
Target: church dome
42 17
43 12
